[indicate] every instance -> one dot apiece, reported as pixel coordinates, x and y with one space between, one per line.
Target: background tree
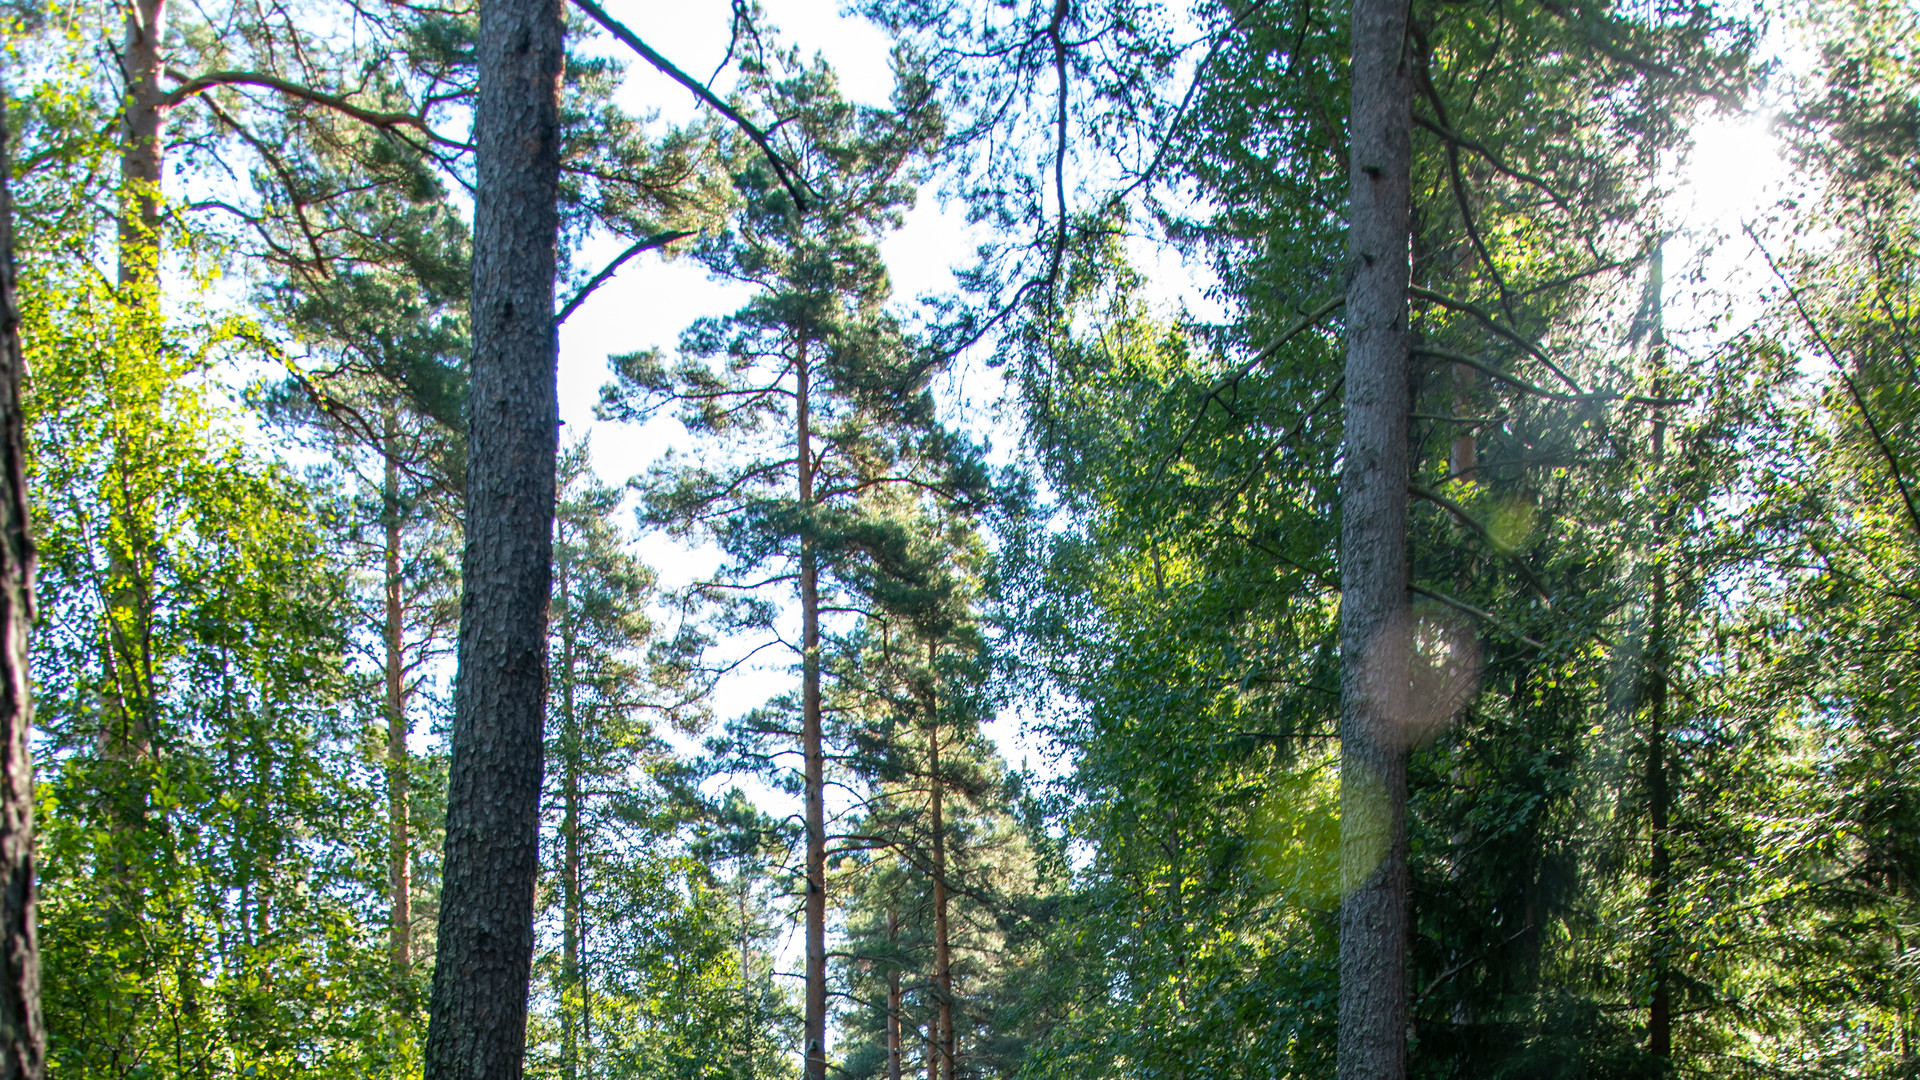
820 398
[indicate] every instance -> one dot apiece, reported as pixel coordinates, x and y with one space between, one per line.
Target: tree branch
1518 383
1232 379
1493 324
645 243
1853 390
198 84
1467 519
795 186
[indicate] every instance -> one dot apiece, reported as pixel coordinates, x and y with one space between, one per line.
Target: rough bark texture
399 777
816 988
1373 557
23 1039
484 952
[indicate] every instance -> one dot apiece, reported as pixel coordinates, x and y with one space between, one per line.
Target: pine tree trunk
1660 869
893 995
143 108
942 954
569 825
399 844
810 738
933 1035
750 1012
23 1038
1660 1004
1373 557
484 953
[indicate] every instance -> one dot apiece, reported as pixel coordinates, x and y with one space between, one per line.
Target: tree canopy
1373 563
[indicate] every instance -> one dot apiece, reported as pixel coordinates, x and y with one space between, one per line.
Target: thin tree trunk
933 1036
478 1025
23 1038
1660 1005
893 994
942 953
399 844
750 1010
569 823
1373 557
1465 445
816 988
1660 869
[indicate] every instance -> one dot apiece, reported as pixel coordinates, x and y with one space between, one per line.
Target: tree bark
569 823
1660 859
399 778
893 995
1465 445
23 1037
810 738
933 1035
942 954
477 1029
1373 556
142 110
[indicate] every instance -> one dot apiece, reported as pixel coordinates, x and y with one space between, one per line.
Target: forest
1386 550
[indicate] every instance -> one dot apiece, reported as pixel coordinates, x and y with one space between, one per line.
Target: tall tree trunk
816 983
933 1034
750 1004
399 778
128 617
1373 557
23 1038
893 994
142 112
478 1026
569 823
1660 860
126 735
942 953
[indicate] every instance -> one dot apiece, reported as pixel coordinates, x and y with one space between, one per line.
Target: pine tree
819 398
478 1017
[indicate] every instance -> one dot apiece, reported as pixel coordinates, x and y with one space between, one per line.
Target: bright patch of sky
1728 194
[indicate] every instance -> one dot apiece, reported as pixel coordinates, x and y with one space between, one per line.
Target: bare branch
198 84
795 186
645 243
